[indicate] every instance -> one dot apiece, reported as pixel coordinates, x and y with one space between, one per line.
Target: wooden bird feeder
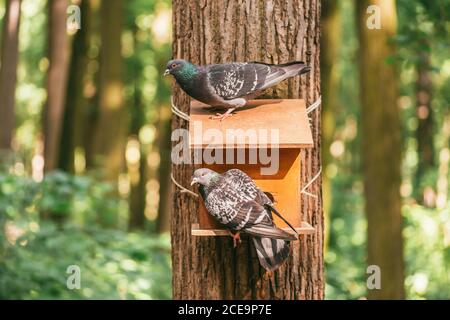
279 126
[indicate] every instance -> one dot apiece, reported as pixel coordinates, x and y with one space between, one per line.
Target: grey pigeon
234 200
230 85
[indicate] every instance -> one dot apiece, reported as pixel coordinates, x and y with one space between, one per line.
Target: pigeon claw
236 238
220 116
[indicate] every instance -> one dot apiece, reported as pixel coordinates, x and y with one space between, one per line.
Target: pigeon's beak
167 72
194 181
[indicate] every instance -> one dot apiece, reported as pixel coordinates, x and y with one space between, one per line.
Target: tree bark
329 51
381 148
112 126
424 132
56 82
269 31
75 115
8 70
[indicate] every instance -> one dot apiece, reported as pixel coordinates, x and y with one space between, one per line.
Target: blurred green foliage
79 196
427 252
116 264
86 222
426 230
35 254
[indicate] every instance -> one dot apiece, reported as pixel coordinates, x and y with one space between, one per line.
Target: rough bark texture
56 82
111 129
75 113
424 133
8 75
329 49
270 31
381 148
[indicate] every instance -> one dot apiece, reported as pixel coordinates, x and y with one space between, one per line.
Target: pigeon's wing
239 180
254 211
236 203
234 80
252 218
269 231
247 214
280 72
233 209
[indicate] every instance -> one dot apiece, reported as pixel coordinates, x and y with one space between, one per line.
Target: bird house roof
280 123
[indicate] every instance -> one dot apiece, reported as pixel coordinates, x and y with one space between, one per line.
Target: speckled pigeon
230 85
235 201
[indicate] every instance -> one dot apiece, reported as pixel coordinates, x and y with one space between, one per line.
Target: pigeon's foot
236 238
222 117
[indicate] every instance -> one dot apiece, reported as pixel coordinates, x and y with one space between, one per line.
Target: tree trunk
329 51
381 148
270 31
56 82
111 129
75 115
137 171
138 183
8 68
424 132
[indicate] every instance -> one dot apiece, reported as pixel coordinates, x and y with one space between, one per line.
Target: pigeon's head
204 176
177 67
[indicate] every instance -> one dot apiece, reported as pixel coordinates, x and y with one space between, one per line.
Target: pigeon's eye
174 65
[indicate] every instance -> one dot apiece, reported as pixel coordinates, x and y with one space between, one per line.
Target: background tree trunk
8 68
424 132
381 148
137 171
163 222
329 51
138 192
111 128
56 82
270 31
75 115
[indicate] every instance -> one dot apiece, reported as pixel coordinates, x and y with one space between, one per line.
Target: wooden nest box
280 126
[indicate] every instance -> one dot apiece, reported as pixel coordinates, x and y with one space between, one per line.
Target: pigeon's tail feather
270 232
280 72
271 208
304 70
271 252
295 68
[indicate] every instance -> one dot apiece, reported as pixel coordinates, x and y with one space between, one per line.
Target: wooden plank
287 116
305 228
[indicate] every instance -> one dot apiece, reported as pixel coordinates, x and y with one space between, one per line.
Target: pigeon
230 85
234 200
